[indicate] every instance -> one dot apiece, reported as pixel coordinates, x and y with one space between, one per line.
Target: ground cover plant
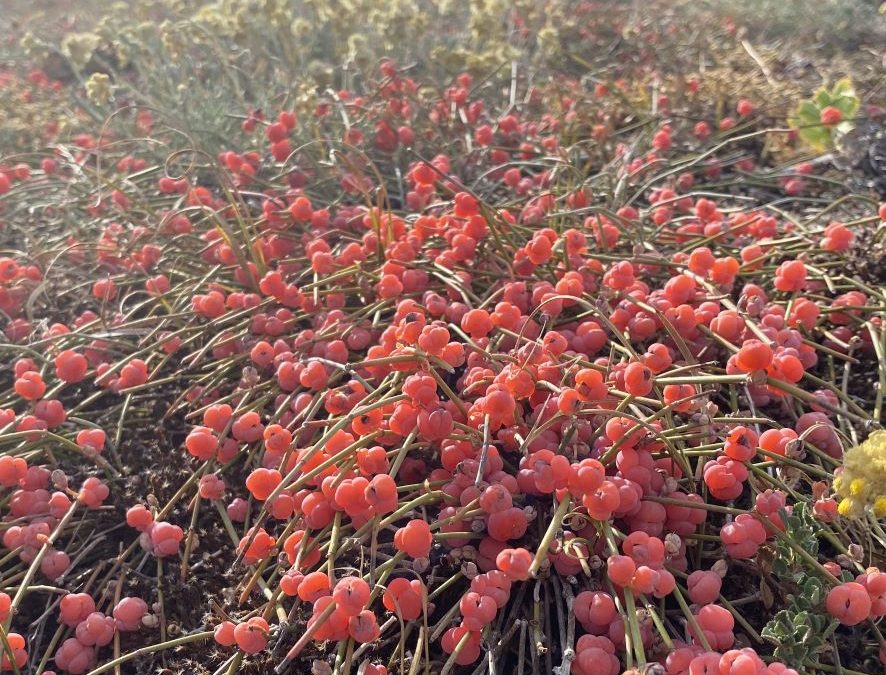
550 341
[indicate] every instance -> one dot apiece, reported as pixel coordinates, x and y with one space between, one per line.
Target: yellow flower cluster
79 47
98 88
862 481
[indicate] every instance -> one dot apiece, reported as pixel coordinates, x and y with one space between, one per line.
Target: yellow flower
78 47
34 48
857 487
98 88
862 481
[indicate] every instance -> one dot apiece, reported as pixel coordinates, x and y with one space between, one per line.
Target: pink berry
75 607
128 613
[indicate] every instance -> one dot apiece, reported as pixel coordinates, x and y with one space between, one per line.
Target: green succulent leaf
807 114
813 591
807 119
801 629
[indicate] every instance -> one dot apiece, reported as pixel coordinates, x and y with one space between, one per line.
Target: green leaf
807 120
813 591
822 98
816 137
846 105
776 629
808 113
832 625
800 630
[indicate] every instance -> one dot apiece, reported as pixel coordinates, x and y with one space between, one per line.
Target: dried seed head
672 543
845 561
794 449
59 479
758 377
249 378
320 668
670 485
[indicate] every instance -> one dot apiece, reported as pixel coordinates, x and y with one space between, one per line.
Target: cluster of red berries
35 512
93 629
855 601
503 389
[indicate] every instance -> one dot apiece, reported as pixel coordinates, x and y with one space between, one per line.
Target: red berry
262 482
831 116
351 595
252 636
75 607
514 562
128 613
849 603
414 539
